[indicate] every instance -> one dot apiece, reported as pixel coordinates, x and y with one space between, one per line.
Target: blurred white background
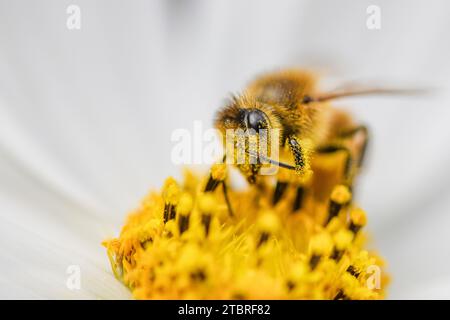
86 118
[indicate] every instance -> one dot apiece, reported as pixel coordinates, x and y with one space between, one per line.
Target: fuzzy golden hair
282 96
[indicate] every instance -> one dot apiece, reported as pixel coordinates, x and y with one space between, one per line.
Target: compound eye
256 120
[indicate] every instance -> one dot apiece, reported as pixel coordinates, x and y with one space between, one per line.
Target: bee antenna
364 92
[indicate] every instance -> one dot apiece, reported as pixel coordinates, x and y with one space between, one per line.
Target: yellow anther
321 244
219 171
362 260
171 191
189 257
358 217
341 194
185 204
148 230
298 271
171 227
334 225
342 239
207 203
349 283
268 222
176 245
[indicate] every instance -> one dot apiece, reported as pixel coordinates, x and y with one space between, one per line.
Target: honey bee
289 101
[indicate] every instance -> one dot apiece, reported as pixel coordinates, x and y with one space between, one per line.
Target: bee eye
256 119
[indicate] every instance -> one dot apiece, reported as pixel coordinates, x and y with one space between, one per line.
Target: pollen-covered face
246 127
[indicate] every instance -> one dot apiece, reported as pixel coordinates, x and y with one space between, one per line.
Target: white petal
41 237
43 231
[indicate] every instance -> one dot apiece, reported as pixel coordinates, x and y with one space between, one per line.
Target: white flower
86 117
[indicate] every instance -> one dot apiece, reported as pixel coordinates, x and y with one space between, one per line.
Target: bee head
241 114
248 127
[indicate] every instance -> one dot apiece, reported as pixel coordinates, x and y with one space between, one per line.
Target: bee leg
302 167
333 148
300 158
349 134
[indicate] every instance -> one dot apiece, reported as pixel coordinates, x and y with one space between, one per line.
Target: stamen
358 220
280 188
260 253
198 275
268 224
340 197
184 209
298 201
314 261
263 237
171 193
352 270
321 245
206 203
218 174
342 240
341 296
